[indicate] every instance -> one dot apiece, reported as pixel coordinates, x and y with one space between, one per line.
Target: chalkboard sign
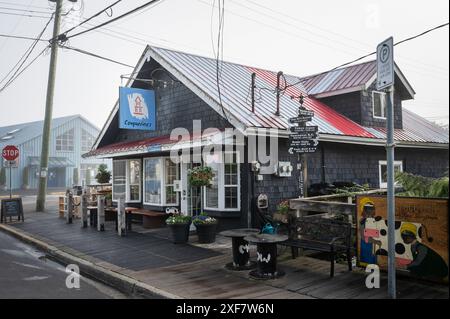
11 207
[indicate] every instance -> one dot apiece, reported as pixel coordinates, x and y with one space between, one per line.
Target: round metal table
240 248
266 261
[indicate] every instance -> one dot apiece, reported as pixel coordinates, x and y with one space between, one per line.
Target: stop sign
10 153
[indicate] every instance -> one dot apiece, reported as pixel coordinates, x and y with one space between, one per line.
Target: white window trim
221 187
373 105
127 184
380 177
163 183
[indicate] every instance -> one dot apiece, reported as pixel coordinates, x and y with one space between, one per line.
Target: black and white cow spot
381 252
400 248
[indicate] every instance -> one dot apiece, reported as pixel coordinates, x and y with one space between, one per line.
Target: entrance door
56 177
190 196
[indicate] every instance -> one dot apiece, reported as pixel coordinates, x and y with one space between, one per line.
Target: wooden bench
150 219
324 235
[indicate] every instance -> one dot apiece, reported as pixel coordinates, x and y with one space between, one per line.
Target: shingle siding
358 107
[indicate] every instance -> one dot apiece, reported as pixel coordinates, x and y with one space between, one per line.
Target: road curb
117 280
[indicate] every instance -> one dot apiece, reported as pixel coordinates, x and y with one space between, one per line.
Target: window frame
383 105
222 185
127 183
380 176
59 138
163 198
83 141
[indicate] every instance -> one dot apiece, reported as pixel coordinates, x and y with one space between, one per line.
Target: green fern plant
420 186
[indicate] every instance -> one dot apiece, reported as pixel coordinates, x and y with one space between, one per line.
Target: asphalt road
26 273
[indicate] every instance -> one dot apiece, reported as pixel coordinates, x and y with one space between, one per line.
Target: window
160 175
152 181
127 180
87 140
119 181
231 181
65 141
134 181
398 167
171 175
379 105
224 193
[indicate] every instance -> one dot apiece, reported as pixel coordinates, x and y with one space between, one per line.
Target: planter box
179 233
206 233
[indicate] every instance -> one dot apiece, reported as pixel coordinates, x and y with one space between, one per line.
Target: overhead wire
114 19
16 68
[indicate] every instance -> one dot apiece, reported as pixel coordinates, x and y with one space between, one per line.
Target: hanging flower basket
200 176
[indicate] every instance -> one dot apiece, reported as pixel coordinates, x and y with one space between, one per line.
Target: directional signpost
303 140
10 154
385 80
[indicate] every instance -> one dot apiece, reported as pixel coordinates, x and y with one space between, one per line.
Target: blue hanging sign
137 109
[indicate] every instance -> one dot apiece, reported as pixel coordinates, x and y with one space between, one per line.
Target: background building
70 137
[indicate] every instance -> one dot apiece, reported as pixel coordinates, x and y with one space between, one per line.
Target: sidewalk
145 262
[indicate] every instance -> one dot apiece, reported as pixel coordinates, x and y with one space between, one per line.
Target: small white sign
385 64
13 164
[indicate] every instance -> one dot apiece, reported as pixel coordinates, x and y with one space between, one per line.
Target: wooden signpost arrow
303 140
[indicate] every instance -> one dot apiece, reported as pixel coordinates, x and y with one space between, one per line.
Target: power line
23 5
20 37
92 17
11 81
365 44
95 55
24 15
24 10
372 53
115 19
24 57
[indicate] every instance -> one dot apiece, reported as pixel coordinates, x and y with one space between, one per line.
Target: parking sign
385 64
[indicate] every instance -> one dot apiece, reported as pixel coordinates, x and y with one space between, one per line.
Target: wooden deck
197 271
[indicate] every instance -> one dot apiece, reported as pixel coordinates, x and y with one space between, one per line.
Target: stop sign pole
10 153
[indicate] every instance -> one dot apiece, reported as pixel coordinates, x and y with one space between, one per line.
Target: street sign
13 164
302 150
308 143
304 136
305 112
300 119
299 129
10 152
385 64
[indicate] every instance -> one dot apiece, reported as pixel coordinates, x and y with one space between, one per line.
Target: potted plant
200 176
281 214
103 175
206 228
179 228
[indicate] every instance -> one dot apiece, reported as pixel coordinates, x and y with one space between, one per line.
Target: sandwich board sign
385 64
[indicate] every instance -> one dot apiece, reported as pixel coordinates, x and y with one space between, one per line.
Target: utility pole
40 202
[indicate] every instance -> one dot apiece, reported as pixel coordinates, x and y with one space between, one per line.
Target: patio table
240 248
266 250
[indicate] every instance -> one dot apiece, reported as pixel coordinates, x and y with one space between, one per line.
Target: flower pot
179 232
206 233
